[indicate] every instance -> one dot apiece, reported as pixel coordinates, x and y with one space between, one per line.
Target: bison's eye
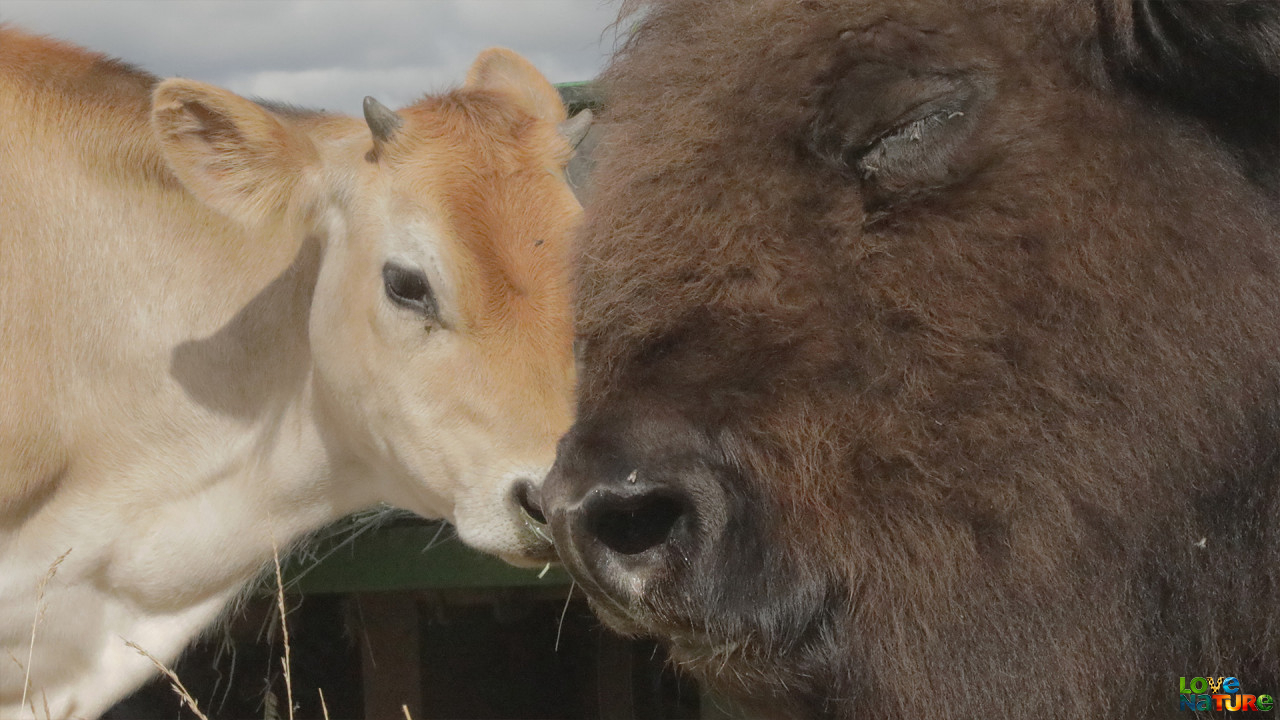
408 287
899 132
920 153
910 142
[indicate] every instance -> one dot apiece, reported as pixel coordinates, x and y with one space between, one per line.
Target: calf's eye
408 288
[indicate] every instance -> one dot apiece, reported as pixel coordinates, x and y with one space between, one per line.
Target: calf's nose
526 498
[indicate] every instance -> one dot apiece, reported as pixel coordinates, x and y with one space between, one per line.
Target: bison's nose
622 533
635 499
630 518
619 529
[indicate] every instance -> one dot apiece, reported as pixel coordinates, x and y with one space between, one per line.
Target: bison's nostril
632 525
525 498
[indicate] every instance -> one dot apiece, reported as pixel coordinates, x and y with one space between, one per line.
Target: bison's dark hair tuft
1215 60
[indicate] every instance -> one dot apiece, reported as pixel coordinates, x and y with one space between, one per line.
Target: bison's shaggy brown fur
953 329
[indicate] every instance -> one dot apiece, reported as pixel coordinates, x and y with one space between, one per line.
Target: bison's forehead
707 195
721 190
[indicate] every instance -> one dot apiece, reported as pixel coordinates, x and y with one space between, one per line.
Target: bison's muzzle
632 523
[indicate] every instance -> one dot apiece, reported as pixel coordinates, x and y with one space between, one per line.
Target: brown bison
931 355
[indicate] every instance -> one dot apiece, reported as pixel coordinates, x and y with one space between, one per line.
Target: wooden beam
390 654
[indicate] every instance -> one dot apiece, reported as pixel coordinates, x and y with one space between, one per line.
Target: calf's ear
507 73
1216 60
230 152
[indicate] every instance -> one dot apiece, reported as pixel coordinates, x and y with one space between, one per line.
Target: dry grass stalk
31 648
174 682
23 668
284 626
407 716
324 709
16 661
563 612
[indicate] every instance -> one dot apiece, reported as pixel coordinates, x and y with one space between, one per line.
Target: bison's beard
750 627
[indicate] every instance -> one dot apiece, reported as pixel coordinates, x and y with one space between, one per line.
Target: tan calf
224 325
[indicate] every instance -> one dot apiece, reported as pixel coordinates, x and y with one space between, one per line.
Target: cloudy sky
329 53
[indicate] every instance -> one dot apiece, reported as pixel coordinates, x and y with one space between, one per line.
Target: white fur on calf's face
450 408
444 411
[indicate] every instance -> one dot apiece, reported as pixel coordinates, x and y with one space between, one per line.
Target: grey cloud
329 53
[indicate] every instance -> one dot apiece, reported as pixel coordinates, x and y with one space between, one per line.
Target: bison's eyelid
913 127
876 101
898 146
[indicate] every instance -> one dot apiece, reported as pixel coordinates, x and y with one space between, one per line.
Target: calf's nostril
630 525
526 499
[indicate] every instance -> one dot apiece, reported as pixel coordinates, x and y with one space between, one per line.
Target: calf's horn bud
575 128
383 122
